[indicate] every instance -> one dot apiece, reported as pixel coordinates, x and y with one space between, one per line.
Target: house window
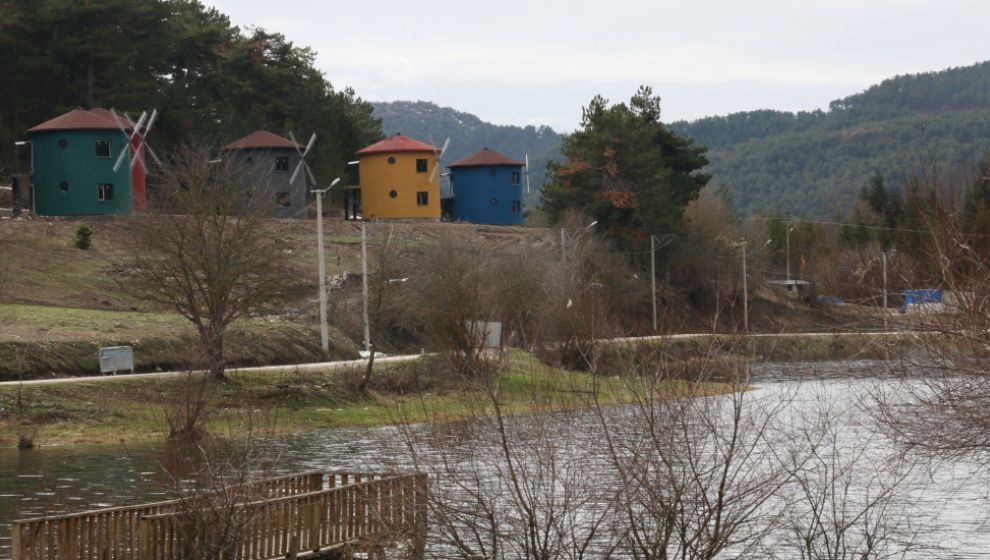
283 198
282 164
515 177
63 186
391 160
249 160
420 166
516 206
422 198
63 143
103 149
104 192
392 194
493 202
492 171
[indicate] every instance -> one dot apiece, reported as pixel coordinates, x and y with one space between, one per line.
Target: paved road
346 364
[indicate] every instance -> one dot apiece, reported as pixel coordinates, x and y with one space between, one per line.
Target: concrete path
343 364
347 364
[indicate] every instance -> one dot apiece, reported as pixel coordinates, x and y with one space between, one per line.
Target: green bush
84 235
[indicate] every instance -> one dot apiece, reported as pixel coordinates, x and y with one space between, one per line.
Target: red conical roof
79 119
262 140
101 112
486 157
397 143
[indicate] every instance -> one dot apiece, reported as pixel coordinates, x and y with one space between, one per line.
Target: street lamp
563 239
324 331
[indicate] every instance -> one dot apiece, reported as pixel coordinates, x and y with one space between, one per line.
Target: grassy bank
783 348
138 410
43 341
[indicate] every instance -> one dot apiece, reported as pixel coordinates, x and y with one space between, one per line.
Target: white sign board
116 358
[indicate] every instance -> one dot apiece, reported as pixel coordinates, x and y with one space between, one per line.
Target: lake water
946 505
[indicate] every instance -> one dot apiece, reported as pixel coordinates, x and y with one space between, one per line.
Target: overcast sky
538 62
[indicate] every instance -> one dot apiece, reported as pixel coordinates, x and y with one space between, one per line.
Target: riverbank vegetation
138 410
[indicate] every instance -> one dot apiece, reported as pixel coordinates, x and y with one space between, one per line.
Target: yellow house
399 180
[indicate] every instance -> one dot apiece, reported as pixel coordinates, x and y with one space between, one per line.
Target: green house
72 159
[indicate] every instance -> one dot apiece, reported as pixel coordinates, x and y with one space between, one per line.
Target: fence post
419 539
18 541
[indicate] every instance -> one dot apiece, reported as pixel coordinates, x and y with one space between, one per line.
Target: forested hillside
468 134
212 81
815 163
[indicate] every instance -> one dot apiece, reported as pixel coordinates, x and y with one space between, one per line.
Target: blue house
486 188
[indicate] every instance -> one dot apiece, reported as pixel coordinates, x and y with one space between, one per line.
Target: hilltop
813 163
468 134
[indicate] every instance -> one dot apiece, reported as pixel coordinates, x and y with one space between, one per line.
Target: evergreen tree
626 170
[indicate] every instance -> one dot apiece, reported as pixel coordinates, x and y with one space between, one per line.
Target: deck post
18 541
419 538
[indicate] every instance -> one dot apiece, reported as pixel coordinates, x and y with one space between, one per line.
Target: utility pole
787 234
563 246
884 255
742 247
324 329
653 278
364 286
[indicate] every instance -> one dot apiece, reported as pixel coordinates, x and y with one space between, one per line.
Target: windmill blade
527 173
124 152
154 156
309 173
443 150
120 159
433 174
151 122
309 145
295 173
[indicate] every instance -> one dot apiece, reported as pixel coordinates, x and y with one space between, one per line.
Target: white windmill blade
309 145
309 173
151 122
527 173
433 174
126 149
302 158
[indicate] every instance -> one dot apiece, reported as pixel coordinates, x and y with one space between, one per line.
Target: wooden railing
303 512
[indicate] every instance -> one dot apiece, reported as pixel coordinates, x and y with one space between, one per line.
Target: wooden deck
276 518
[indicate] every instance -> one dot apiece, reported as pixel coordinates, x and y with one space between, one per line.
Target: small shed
486 188
72 159
399 179
268 162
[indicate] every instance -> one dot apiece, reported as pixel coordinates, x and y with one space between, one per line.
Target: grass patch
135 410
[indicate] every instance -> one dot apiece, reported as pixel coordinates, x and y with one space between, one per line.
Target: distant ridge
431 123
813 163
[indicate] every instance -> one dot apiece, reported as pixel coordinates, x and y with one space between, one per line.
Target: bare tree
205 251
386 267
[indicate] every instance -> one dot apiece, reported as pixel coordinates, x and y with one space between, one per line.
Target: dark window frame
422 165
516 178
104 192
517 207
422 198
109 148
278 161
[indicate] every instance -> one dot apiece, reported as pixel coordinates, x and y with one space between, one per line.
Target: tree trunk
215 358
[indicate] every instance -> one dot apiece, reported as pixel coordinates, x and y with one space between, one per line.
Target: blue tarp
916 297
